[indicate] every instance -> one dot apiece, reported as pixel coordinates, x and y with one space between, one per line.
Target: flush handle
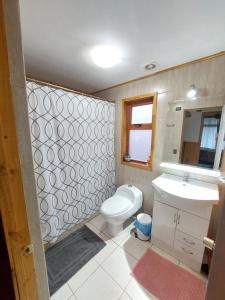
210 244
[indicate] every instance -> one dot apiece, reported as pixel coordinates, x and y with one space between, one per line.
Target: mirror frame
174 123
203 110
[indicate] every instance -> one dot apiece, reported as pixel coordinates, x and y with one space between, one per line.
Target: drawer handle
178 221
188 241
191 253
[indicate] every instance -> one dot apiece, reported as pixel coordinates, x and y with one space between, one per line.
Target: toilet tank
131 192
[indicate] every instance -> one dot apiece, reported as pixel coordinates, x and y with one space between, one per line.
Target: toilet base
114 228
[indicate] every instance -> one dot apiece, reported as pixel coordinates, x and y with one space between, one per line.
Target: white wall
192 127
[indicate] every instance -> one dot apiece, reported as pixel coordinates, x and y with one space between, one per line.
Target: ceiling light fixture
150 66
105 56
192 92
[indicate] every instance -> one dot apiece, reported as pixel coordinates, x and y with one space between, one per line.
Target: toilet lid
115 205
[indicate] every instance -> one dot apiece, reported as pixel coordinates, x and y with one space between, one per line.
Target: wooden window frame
127 105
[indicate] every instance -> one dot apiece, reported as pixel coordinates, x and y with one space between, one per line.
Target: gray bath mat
69 255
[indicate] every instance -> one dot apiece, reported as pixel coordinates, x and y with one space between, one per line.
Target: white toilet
117 209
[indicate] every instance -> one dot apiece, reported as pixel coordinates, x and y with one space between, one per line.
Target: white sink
175 191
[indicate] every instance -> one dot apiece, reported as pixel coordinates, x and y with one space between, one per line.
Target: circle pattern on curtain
72 140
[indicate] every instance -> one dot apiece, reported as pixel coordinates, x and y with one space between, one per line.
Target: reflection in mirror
203 139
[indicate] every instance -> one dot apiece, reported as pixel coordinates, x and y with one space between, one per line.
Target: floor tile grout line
119 244
69 286
108 256
132 254
147 292
65 284
124 292
74 293
128 284
113 280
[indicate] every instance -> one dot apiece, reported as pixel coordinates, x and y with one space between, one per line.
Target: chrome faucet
186 177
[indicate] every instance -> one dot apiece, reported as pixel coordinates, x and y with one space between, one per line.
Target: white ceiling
58 36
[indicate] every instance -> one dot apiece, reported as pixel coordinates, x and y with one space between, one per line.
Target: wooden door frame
12 200
216 287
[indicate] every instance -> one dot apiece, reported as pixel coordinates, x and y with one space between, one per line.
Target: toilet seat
115 205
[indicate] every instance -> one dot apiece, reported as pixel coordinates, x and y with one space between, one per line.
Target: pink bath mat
167 281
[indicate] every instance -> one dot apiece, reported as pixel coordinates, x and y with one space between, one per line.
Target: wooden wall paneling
223 163
171 86
190 153
132 81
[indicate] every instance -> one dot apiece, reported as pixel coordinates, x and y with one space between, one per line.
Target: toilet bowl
118 208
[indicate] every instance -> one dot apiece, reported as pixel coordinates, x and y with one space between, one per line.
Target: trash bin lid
144 219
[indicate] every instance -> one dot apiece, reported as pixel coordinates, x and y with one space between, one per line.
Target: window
210 130
138 130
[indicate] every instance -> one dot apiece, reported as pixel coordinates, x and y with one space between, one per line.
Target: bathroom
89 160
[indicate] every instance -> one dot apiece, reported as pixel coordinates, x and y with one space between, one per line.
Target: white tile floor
107 275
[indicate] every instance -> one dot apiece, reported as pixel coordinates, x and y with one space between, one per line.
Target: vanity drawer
192 225
188 255
189 241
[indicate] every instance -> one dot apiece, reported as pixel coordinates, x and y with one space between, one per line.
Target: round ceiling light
150 66
105 56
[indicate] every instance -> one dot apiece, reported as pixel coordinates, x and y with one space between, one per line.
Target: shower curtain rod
48 83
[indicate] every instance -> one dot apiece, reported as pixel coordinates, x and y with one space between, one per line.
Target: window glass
140 144
209 133
142 114
209 138
211 121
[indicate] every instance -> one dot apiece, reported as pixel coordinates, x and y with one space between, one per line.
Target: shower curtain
73 155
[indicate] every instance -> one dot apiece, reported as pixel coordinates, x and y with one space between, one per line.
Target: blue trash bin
143 225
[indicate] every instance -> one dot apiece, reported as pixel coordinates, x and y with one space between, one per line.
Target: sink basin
178 192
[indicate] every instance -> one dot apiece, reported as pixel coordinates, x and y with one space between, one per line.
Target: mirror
203 139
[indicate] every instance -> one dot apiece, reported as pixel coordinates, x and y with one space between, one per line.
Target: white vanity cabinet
164 223
180 223
180 233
